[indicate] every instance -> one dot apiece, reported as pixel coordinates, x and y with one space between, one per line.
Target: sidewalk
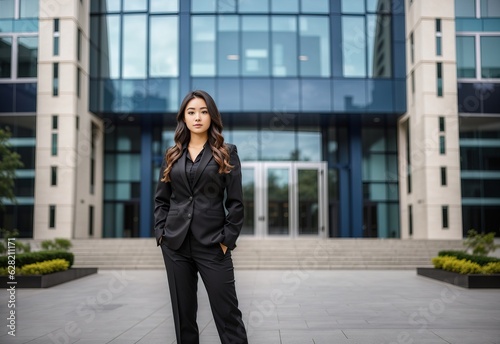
280 307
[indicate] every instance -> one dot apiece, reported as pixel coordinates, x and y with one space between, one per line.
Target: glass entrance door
286 199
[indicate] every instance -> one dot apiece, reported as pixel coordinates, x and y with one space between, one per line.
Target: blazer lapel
205 159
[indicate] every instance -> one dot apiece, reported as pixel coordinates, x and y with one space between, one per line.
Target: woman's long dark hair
183 135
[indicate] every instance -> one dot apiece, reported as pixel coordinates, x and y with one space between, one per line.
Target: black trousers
217 273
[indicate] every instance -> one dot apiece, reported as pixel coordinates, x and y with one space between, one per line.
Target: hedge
23 259
44 268
481 260
463 266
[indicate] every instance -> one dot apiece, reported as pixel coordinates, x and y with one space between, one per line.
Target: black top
191 166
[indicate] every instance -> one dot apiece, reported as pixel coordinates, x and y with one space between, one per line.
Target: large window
25 56
466 57
260 6
490 57
5 57
18 9
486 48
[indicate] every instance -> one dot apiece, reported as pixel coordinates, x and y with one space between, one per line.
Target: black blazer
202 209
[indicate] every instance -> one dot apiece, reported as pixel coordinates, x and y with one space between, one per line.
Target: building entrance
287 199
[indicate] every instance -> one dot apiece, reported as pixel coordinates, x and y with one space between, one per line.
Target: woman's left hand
224 247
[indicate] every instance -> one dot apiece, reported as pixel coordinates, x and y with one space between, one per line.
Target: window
438 37
466 57
412 82
8 7
442 145
27 54
5 57
314 58
412 48
56 37
228 46
54 144
134 47
465 8
441 124
439 72
52 216
408 157
444 216
163 56
443 176
203 40
54 121
91 220
410 220
28 8
78 81
255 46
490 61
94 134
55 80
490 9
53 175
79 44
18 9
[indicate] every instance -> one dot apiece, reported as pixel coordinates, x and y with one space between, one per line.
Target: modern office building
366 118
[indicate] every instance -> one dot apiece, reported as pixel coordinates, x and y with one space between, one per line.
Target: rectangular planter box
46 281
465 281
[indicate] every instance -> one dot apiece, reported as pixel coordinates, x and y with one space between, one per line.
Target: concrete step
271 253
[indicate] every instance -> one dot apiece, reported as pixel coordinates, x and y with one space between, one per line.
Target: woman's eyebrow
192 108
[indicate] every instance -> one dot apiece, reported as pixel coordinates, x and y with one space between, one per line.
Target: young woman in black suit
198 217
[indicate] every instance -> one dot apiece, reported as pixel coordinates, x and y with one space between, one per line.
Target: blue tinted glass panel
256 94
203 46
205 84
25 97
491 24
466 57
349 95
281 139
465 8
134 46
314 6
349 6
379 95
202 6
378 6
490 53
284 45
314 46
7 7
490 8
309 143
28 8
6 25
316 95
163 49
228 46
163 95
134 96
110 98
379 46
110 46
228 91
465 24
135 5
286 95
353 46
285 6
27 53
226 6
26 25
255 46
6 97
399 96
246 139
162 6
253 6
5 57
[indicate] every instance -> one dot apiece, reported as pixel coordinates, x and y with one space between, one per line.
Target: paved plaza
279 307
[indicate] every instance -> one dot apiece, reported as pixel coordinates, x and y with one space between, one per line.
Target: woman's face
196 116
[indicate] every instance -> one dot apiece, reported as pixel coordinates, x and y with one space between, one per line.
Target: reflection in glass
490 61
285 6
110 46
27 8
490 9
465 8
248 183
278 203
253 6
255 45
308 201
134 46
282 143
135 5
349 6
353 46
5 56
466 57
199 6
284 45
315 6
314 46
27 52
7 7
379 46
159 6
379 6
203 46
163 49
228 46
247 142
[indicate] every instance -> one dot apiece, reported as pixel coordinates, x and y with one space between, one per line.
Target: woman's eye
205 112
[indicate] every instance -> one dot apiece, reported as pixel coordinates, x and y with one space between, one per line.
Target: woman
198 217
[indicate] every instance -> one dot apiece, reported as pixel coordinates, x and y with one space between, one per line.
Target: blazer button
189 216
190 198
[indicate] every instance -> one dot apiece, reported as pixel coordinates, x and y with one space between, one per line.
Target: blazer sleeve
234 201
162 204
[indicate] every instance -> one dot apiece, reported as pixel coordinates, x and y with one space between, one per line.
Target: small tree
9 162
4 245
481 244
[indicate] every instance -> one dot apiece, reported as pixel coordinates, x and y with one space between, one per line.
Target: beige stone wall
424 109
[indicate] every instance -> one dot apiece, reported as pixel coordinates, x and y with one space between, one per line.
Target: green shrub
464 266
58 244
481 260
480 243
35 257
44 268
492 268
